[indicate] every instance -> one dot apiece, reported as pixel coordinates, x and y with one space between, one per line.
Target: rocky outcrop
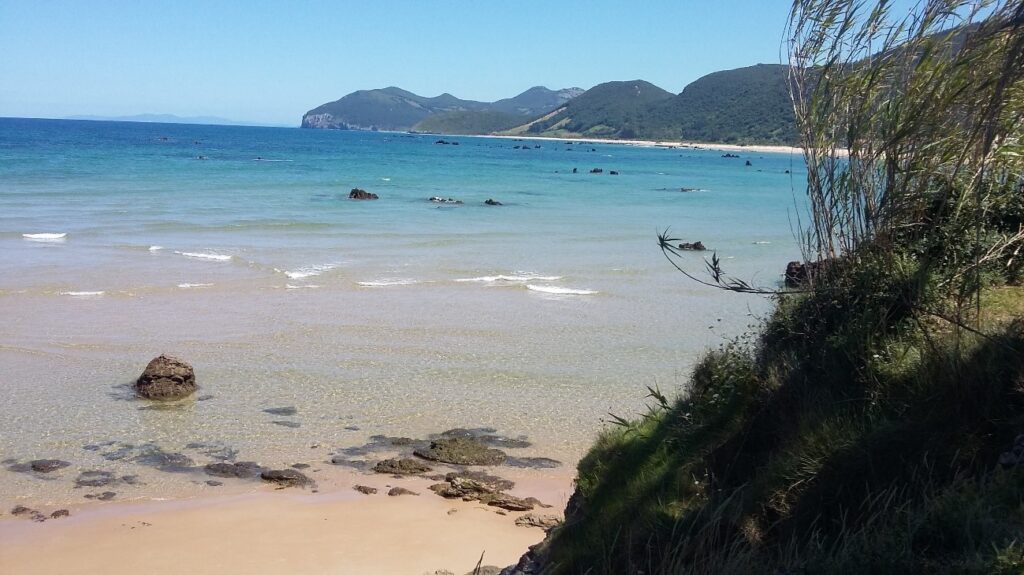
358 194
458 486
404 466
286 478
461 451
694 247
366 489
440 200
491 202
166 377
545 522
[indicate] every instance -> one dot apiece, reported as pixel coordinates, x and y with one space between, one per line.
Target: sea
239 250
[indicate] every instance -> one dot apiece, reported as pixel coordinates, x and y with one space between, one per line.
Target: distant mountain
169 119
743 106
609 110
396 109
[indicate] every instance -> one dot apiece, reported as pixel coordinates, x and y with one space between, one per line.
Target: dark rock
574 170
154 456
60 513
694 247
286 478
440 200
20 510
131 480
748 163
533 462
491 202
597 171
214 483
461 451
613 173
47 465
727 155
290 410
506 501
300 466
166 377
105 496
291 424
240 469
206 397
358 194
545 522
95 479
365 489
396 491
404 466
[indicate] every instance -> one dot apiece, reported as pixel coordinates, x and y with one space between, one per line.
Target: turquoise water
396 316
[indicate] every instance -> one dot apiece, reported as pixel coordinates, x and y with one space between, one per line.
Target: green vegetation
744 106
874 424
396 109
468 122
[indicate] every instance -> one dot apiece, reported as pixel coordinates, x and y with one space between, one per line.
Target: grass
846 438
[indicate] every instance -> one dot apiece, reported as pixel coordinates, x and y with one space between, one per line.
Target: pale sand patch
659 144
292 531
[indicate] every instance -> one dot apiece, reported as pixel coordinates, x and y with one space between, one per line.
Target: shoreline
336 531
766 149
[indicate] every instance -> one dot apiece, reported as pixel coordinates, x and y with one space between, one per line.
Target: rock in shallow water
95 479
461 451
403 466
166 377
240 469
286 478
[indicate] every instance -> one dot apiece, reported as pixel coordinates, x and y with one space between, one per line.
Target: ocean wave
83 293
512 278
45 237
761 243
188 286
205 256
155 248
309 271
560 290
290 286
386 283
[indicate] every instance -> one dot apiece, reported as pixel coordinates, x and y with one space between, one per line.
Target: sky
270 62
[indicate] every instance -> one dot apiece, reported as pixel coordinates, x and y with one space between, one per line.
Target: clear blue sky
272 61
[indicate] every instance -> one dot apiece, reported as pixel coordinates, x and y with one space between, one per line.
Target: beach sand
663 144
289 531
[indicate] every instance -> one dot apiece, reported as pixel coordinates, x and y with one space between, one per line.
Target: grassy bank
875 422
846 438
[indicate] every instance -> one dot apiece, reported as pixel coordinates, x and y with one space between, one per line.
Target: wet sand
289 531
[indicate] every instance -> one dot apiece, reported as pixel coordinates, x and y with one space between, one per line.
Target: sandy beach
289 531
664 144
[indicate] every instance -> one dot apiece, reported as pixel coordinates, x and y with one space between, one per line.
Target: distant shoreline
760 148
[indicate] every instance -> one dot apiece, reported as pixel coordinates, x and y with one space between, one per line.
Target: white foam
309 271
290 286
560 290
83 293
385 283
386 179
45 237
155 248
512 278
761 243
188 286
205 256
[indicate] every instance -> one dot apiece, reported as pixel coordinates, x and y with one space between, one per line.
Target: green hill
609 110
743 106
396 109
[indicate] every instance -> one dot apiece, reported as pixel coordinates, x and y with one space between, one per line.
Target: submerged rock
404 466
358 194
461 451
695 246
286 478
239 470
95 479
289 410
166 377
38 465
492 202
